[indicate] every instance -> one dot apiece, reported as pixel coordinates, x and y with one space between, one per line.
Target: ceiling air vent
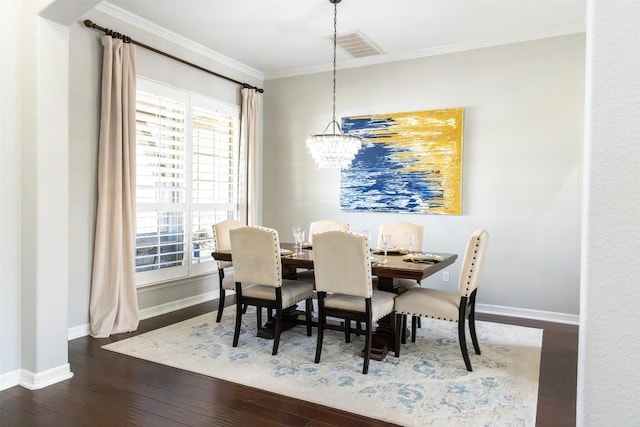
356 45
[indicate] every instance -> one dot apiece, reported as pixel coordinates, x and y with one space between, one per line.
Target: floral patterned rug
427 386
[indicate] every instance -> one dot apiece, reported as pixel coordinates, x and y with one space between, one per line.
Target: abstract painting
409 162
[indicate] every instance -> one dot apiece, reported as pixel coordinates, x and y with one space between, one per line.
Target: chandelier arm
335 124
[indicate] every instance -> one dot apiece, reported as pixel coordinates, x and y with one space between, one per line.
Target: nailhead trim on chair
276 249
424 315
473 263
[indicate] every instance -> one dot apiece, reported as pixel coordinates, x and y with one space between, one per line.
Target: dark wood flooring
110 389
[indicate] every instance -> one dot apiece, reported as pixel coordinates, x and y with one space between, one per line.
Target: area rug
427 385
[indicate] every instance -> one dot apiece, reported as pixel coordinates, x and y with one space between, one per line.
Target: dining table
388 269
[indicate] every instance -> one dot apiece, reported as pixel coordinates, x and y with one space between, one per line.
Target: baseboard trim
547 316
78 331
84 330
9 379
38 380
177 305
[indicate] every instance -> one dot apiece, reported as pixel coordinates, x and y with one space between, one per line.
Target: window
187 178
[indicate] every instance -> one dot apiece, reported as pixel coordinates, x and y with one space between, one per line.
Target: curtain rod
89 23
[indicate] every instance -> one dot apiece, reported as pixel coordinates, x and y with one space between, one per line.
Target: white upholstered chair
449 306
316 227
222 242
399 232
343 282
258 277
325 225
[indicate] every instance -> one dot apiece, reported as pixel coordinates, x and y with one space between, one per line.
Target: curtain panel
114 302
249 134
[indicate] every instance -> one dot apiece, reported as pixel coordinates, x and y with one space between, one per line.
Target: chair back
342 263
256 256
399 231
221 238
325 225
472 262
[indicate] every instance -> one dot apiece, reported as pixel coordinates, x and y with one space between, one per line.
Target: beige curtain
114 301
249 134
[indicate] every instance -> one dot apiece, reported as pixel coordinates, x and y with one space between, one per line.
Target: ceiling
278 38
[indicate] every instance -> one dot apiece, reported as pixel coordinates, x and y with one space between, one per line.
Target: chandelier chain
335 44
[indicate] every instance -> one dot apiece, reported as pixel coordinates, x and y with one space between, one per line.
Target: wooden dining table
387 269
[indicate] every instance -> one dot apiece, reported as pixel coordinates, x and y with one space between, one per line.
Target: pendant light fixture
333 150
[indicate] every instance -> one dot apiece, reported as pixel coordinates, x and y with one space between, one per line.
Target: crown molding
422 53
152 28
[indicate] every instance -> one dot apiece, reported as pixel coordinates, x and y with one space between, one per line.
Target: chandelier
333 150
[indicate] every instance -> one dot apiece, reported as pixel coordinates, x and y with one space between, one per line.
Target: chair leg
367 342
236 332
220 305
414 324
463 344
399 332
276 334
404 329
347 330
321 322
244 308
358 327
394 332
367 347
308 305
472 328
259 316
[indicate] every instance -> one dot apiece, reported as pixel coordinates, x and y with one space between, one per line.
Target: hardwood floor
110 389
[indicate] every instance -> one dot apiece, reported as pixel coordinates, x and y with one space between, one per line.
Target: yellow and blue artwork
409 162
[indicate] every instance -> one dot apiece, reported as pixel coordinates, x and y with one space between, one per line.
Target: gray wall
523 136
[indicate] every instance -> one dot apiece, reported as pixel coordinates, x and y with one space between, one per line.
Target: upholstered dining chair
323 225
343 282
258 277
450 306
222 242
399 232
316 227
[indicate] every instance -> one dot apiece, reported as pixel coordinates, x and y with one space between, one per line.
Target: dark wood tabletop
395 267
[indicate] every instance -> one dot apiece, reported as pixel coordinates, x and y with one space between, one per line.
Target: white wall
608 375
523 135
10 20
34 276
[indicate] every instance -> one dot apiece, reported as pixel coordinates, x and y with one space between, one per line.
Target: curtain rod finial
88 23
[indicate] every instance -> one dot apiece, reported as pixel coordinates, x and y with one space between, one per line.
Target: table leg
289 320
382 338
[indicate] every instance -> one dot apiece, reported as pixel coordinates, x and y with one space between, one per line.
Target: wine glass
300 241
386 239
296 238
410 239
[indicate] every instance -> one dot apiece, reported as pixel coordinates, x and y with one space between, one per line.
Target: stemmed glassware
386 239
410 239
298 239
